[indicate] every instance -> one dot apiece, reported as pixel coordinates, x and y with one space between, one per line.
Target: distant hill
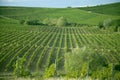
73 15
109 9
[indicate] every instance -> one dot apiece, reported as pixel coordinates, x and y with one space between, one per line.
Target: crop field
42 45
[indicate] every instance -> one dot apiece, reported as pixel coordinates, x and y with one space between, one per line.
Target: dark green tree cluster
116 24
47 22
105 24
19 68
22 21
60 22
109 24
30 22
33 22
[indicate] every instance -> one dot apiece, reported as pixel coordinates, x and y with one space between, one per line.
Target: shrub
117 76
22 21
50 22
116 24
83 62
105 24
61 22
33 22
19 68
101 26
50 71
46 21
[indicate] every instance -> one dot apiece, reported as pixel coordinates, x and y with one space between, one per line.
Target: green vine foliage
19 68
50 71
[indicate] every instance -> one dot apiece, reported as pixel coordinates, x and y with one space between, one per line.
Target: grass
109 9
73 15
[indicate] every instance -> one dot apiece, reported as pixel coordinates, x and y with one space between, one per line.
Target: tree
105 24
19 68
22 21
83 62
50 71
46 21
50 22
33 22
62 22
116 24
101 26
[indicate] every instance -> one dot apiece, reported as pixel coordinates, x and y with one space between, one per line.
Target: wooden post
55 68
112 76
87 71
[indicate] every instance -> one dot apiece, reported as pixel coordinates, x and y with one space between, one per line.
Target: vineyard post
88 68
18 66
55 68
87 71
112 70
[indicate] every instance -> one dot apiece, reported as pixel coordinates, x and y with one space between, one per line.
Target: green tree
83 62
22 21
50 22
47 21
101 26
61 22
33 22
19 68
107 23
50 71
116 24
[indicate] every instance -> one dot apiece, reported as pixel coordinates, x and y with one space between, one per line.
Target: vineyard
44 45
40 46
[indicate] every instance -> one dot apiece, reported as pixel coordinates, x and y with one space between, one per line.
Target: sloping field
42 45
109 9
73 15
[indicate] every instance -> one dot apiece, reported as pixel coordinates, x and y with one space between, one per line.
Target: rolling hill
73 15
109 9
42 45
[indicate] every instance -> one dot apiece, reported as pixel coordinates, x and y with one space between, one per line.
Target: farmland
41 45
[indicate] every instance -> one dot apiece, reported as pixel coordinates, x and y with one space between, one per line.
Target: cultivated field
42 45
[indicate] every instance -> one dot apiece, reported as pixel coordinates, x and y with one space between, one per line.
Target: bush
46 21
22 21
50 71
33 22
82 62
116 24
101 26
105 24
61 22
19 68
117 76
50 22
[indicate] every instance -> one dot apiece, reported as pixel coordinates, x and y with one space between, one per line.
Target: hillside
108 9
71 14
41 46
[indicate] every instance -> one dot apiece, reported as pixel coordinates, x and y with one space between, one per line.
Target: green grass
109 9
73 15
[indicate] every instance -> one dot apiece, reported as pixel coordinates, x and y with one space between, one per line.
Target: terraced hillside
42 45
